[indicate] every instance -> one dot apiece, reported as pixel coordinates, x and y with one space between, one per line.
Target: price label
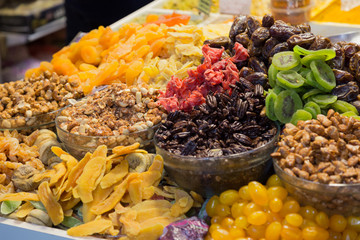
235 7
204 6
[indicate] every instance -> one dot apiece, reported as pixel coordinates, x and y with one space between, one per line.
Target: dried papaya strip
99 196
89 228
21 196
115 175
60 169
69 204
91 176
135 191
52 207
24 210
121 150
76 171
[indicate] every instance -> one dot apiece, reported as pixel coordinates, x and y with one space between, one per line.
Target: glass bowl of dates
111 117
318 163
34 102
221 144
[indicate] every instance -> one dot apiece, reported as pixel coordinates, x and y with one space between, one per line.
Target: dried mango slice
58 151
76 171
115 175
183 203
60 169
100 151
87 182
89 228
158 164
119 208
21 196
148 213
148 192
67 205
47 174
135 191
53 208
24 210
150 178
121 150
162 193
114 217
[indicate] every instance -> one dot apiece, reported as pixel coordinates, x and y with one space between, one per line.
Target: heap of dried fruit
223 125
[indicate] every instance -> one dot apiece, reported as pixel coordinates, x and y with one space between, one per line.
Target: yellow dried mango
89 228
148 192
91 176
158 164
58 151
183 203
21 196
24 210
100 151
135 191
150 178
121 150
76 171
67 205
52 207
115 175
60 170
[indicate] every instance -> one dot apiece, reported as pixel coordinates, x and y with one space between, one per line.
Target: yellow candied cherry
334 235
322 220
237 209
216 219
213 227
220 234
338 223
294 219
244 193
256 232
250 208
275 205
227 223
308 223
273 231
236 232
211 206
241 222
290 233
229 197
354 223
290 206
308 212
258 193
257 218
277 192
273 181
274 217
222 210
315 233
349 234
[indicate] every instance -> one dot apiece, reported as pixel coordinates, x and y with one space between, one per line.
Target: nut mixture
22 101
325 150
223 125
117 111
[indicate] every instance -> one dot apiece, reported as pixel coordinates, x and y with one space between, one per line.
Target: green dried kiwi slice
297 68
272 75
277 89
324 99
300 114
323 74
351 114
304 71
329 53
286 60
290 78
310 80
269 105
310 93
286 104
342 107
313 108
309 58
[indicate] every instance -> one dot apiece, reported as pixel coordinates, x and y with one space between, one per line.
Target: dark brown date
304 27
342 77
245 71
258 78
243 39
257 65
253 50
350 49
252 24
303 40
346 92
218 42
268 46
260 35
238 26
320 43
279 48
338 61
268 20
282 31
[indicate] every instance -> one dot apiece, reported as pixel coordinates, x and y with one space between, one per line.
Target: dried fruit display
116 200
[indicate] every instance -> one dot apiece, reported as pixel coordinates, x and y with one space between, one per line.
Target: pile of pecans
24 102
223 125
116 115
324 150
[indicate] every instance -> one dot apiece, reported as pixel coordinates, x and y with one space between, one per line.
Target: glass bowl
331 198
78 145
212 175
